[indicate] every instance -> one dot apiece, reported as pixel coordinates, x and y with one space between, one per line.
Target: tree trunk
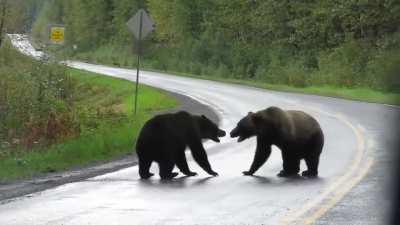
3 10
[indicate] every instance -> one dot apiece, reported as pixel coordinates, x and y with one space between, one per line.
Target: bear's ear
204 117
256 118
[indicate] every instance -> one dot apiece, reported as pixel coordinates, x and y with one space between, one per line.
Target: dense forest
343 43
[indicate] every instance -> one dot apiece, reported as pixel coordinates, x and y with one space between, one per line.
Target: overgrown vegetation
341 43
36 100
53 118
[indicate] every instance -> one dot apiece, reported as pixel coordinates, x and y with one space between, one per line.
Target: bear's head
245 128
209 130
248 126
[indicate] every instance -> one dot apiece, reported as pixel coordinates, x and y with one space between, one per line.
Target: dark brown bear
297 134
164 138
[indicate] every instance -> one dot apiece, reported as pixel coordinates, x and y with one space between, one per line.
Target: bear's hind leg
144 167
291 165
312 159
312 166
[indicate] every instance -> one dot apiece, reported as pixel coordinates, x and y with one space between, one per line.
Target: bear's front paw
309 174
190 174
247 173
213 173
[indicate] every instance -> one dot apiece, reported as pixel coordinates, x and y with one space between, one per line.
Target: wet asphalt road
353 170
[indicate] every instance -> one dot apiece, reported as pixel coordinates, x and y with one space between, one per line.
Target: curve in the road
315 208
228 199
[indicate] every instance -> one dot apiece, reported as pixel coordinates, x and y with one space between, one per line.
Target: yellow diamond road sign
140 24
57 35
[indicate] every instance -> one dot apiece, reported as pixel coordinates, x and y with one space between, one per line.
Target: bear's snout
234 133
221 133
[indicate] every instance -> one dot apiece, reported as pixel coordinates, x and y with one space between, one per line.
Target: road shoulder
51 180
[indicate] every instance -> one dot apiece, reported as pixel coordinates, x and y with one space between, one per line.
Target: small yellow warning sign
57 34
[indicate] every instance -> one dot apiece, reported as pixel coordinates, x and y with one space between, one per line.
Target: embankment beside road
55 118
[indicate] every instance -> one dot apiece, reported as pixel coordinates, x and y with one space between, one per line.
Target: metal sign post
138 60
140 25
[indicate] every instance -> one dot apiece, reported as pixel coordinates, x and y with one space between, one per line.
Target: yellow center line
339 194
340 187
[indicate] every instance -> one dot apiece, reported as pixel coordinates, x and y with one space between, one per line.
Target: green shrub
384 71
345 65
223 71
31 91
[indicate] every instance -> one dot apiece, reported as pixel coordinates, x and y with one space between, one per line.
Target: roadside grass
357 94
108 127
108 55
111 55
